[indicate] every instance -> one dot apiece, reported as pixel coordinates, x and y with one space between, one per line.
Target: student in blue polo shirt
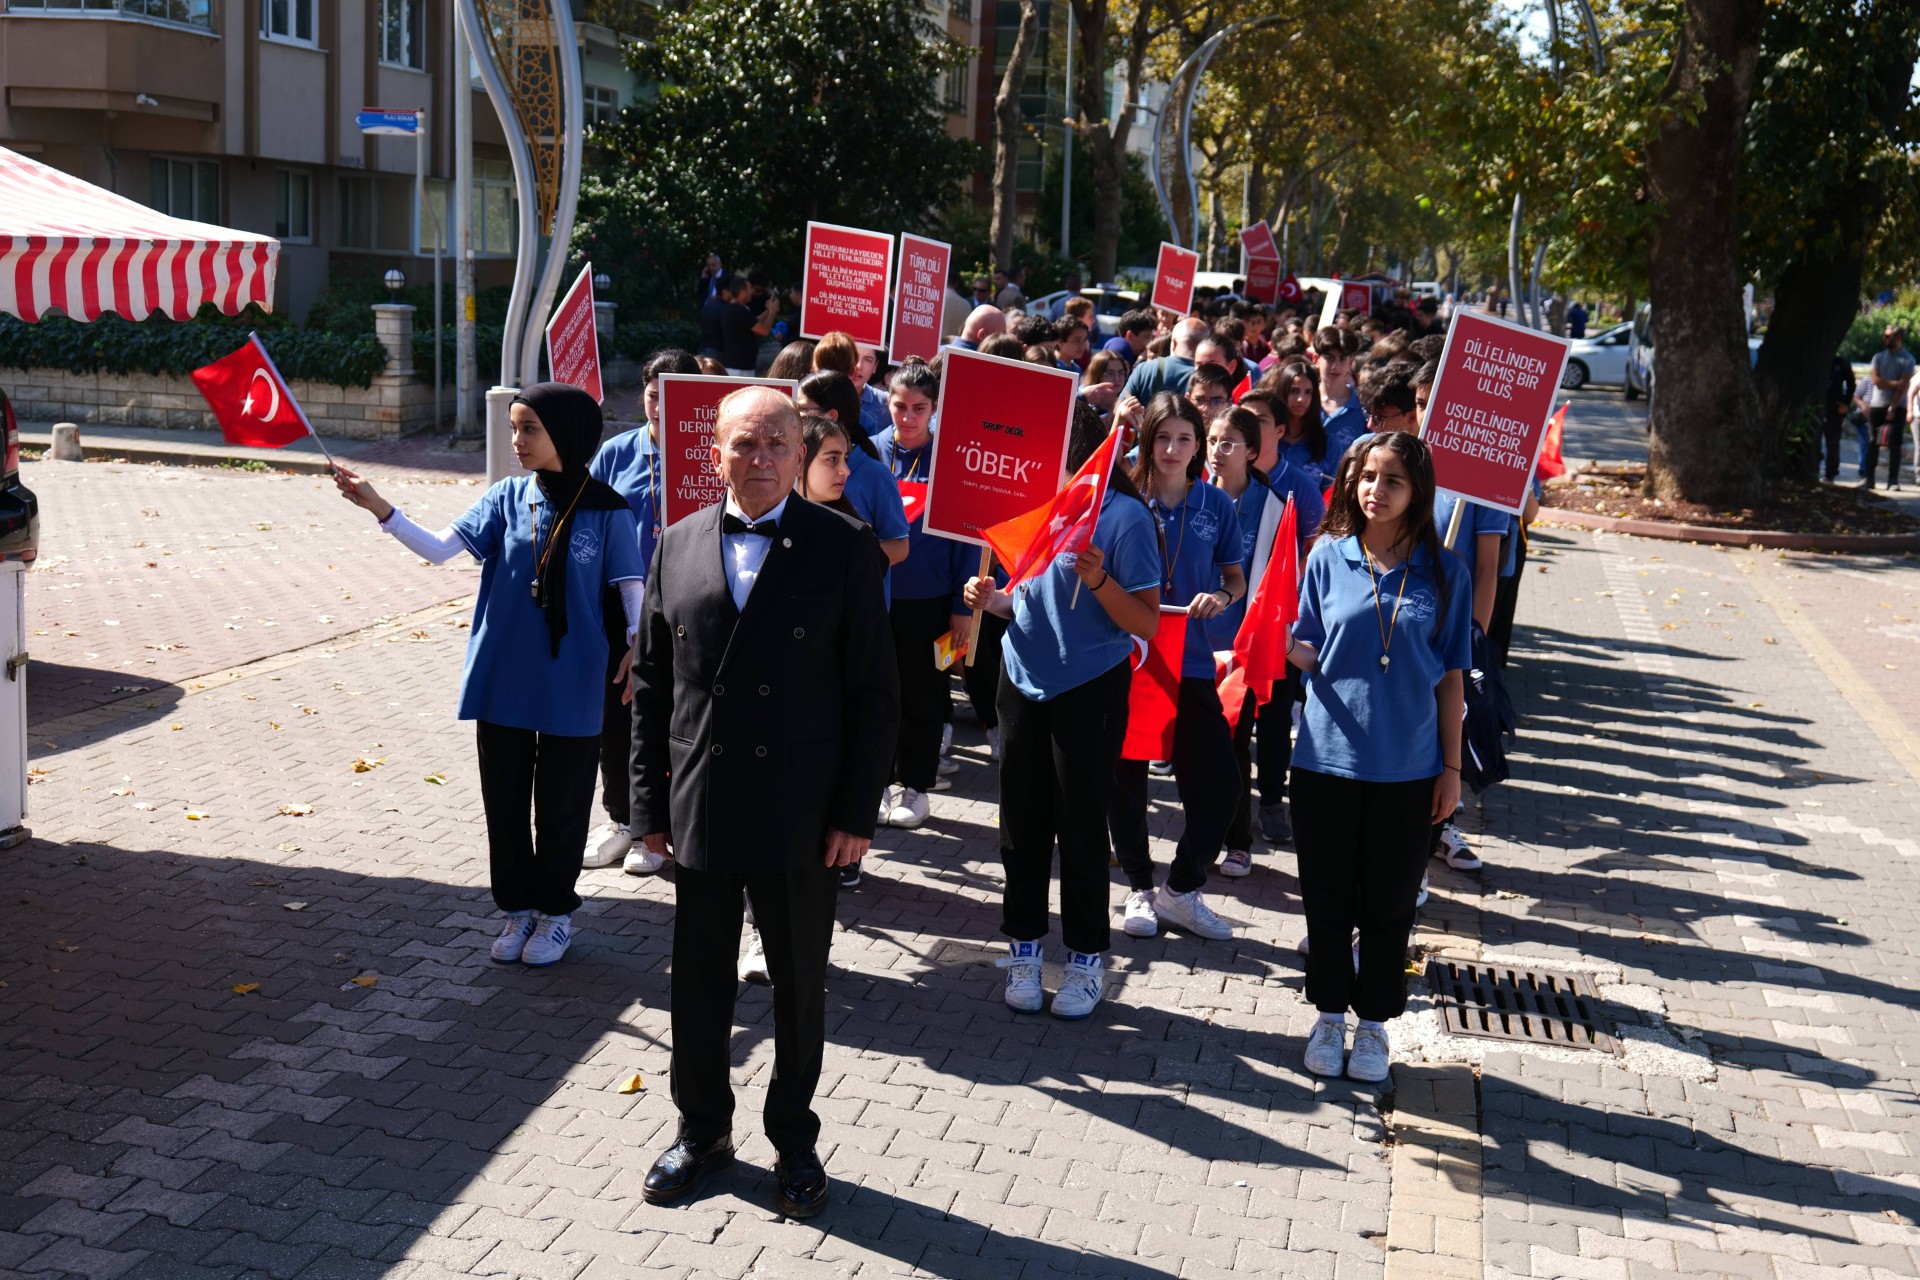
1341 415
630 464
1066 671
1200 572
1234 439
870 486
926 599
550 543
1383 639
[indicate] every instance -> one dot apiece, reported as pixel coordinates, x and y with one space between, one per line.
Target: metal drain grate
1532 1006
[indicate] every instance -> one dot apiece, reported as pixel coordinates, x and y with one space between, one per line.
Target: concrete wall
394 406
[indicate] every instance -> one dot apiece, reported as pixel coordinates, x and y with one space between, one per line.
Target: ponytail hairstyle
1247 423
837 352
669 360
1167 406
1279 380
815 431
916 375
833 390
1346 519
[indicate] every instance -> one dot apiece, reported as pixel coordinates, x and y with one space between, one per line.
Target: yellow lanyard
1386 628
533 511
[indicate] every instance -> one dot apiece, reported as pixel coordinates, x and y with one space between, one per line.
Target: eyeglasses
1224 446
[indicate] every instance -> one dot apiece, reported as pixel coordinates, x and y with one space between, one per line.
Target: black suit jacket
756 730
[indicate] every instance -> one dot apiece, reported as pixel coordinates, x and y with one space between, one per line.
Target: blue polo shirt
1298 456
511 676
871 490
1345 425
935 566
631 465
1283 482
1054 645
1202 536
1476 521
874 416
1120 347
1362 720
1150 377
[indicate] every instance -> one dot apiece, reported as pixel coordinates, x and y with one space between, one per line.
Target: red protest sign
689 403
845 287
919 298
573 345
1258 241
1263 280
1173 278
1001 449
1487 415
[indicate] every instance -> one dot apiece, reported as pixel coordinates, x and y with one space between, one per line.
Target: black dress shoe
683 1166
802 1184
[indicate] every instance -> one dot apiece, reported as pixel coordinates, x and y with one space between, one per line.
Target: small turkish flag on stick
252 401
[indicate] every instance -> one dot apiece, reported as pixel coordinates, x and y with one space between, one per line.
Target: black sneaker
1276 823
850 876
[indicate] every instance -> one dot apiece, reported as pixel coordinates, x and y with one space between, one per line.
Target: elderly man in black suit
765 704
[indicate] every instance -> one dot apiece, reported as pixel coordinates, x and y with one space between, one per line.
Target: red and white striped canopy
70 245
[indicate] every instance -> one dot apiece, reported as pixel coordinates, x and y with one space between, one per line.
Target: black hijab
573 423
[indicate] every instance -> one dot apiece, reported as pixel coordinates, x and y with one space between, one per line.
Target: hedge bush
1863 335
638 339
159 346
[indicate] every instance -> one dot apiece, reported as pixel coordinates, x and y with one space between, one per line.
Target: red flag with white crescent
251 399
1027 544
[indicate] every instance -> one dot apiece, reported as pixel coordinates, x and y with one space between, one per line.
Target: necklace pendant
1384 660
536 588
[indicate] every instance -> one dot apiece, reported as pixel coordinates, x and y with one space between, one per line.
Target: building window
956 87
186 188
376 212
188 13
403 33
287 20
603 104
436 229
293 205
960 11
495 214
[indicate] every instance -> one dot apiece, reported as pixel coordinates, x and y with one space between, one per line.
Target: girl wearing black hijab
550 543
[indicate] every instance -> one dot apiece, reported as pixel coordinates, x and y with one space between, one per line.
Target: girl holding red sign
1382 639
1201 570
926 603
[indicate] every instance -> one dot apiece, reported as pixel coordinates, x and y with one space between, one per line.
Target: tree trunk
1704 441
1007 130
1106 136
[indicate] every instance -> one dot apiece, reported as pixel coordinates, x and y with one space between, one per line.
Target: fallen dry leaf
364 765
633 1084
263 884
194 815
296 810
288 848
245 988
365 980
294 906
437 779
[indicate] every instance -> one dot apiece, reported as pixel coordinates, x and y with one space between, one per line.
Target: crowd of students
1230 414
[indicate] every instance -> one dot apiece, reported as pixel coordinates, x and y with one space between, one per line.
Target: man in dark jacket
766 700
1833 411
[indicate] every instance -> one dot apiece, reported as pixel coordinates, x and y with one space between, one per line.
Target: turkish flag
1551 464
1027 544
1154 697
251 399
913 499
1290 289
1246 385
1260 646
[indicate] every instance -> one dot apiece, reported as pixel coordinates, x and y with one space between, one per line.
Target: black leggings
1274 751
535 857
923 688
1208 780
1362 851
1056 772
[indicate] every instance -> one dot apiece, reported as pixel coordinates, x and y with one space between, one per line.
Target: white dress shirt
746 552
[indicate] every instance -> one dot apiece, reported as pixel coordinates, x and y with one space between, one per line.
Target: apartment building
241 112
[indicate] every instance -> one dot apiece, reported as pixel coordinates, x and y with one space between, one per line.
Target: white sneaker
1420 900
549 941
941 784
1022 963
911 809
514 932
1237 863
1327 1047
1456 851
1139 920
1191 912
610 844
947 768
1370 1061
642 861
886 804
753 965
1082 986
993 743
946 739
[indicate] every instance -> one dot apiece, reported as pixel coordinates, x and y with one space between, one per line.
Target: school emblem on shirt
1205 525
586 545
1419 606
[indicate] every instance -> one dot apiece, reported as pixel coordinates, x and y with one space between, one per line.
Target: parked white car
1601 358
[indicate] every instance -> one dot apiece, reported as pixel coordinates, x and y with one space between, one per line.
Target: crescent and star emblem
246 406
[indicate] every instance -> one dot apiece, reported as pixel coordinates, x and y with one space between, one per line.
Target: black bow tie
731 524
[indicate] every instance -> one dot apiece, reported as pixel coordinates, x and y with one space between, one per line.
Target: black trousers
794 912
982 679
1830 438
1506 598
537 789
923 688
1363 847
1893 417
616 724
1273 751
1208 779
1056 772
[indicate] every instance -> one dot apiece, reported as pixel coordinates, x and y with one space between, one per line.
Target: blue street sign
402 123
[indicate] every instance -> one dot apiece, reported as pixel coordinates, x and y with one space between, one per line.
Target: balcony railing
197 14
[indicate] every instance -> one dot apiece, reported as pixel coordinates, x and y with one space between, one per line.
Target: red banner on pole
1259 242
1173 278
919 298
1263 280
845 287
573 344
1001 449
1488 412
1154 698
689 403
